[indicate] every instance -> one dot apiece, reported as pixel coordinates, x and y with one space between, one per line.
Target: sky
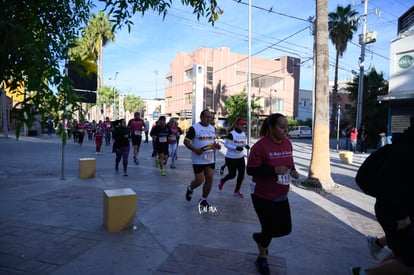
142 56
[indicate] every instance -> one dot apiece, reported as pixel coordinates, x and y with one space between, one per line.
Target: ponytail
265 128
271 120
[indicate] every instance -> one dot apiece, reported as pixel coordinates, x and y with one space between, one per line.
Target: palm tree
320 169
341 29
96 35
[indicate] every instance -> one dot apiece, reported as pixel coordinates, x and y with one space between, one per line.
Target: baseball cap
137 114
241 121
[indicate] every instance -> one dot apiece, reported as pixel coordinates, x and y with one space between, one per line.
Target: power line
270 10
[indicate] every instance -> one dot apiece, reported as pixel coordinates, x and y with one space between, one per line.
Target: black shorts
162 148
136 140
198 168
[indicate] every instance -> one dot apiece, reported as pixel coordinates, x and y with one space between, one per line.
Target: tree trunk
334 98
100 65
320 169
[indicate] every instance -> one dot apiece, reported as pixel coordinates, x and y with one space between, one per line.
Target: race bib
209 155
137 132
284 179
162 139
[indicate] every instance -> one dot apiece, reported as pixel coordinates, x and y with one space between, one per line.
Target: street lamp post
114 107
338 115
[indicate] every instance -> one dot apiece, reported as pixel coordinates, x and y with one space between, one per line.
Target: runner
235 143
122 136
271 166
200 139
173 141
107 128
137 125
160 133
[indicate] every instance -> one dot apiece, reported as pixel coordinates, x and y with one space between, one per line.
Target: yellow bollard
87 168
120 206
346 156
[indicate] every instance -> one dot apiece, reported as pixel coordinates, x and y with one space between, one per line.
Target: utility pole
361 67
364 38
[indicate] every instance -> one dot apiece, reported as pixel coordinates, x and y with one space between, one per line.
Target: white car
300 132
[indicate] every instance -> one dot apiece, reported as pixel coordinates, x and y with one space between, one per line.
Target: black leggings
234 165
274 217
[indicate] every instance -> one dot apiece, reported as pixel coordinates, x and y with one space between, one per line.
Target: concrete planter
346 156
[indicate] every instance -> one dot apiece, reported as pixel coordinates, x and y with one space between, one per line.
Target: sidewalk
54 226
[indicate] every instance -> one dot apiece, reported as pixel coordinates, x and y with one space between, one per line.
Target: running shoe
188 194
204 204
262 266
238 194
374 248
221 184
162 172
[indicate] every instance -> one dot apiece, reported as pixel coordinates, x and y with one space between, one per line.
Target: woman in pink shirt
271 166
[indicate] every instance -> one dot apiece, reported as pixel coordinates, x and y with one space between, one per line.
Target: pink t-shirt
269 153
136 126
354 134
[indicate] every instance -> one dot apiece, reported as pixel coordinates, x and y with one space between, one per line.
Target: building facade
274 81
400 98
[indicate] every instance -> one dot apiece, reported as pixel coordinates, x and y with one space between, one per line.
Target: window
188 74
210 75
266 81
188 98
170 80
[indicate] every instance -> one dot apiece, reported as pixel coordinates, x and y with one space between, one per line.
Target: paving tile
189 259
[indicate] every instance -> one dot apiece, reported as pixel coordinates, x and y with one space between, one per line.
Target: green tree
320 169
341 28
375 114
34 41
35 37
124 10
109 96
236 107
133 103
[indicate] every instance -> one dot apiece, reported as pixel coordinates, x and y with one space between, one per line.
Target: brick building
274 81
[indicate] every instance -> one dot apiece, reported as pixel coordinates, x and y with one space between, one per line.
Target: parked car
300 132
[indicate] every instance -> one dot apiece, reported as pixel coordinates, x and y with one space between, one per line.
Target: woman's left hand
294 174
